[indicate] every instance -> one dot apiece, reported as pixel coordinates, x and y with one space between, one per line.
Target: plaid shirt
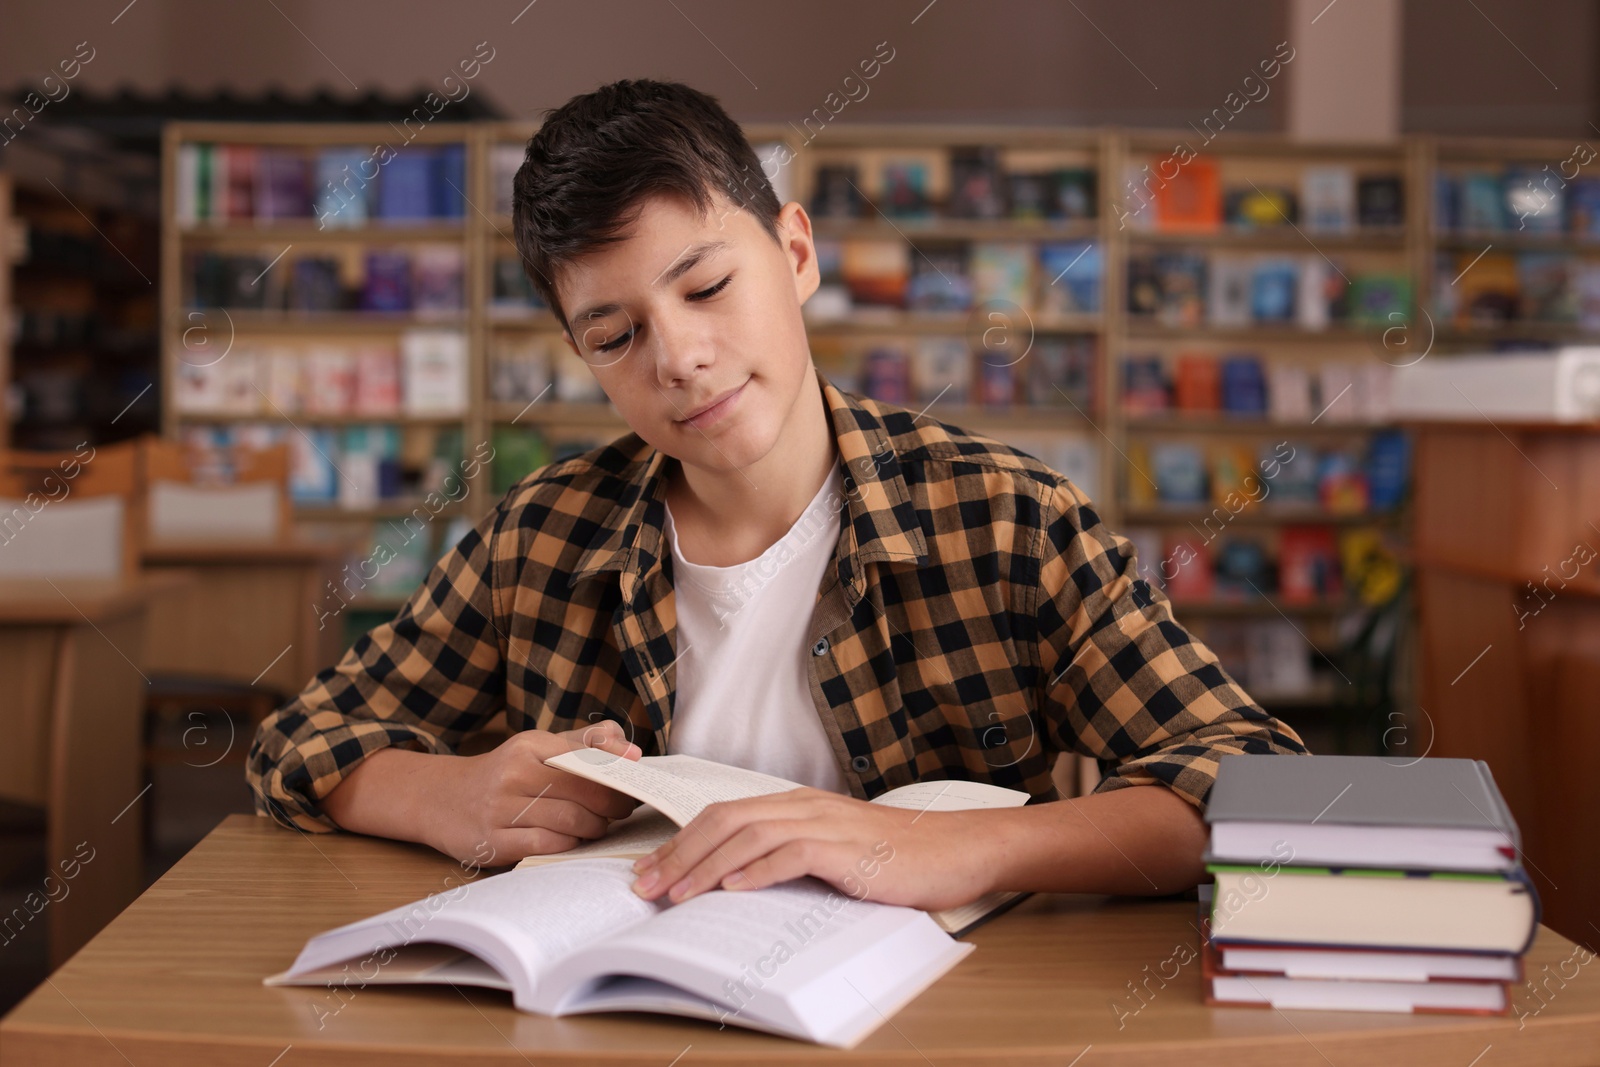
978 620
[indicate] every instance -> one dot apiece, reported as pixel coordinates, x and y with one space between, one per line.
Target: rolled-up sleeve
1122 681
425 680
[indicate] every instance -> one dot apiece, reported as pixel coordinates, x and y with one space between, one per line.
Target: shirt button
820 648
860 764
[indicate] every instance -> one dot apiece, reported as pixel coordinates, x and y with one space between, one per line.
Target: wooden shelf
891 320
332 322
1267 334
385 510
307 419
306 231
1263 607
1253 515
1286 237
1222 424
945 229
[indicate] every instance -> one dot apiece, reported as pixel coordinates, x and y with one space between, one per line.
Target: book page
951 795
640 834
677 786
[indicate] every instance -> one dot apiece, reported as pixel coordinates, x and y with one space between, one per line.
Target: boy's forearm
1143 840
388 794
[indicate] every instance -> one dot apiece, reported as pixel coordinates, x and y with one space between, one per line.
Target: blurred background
1299 293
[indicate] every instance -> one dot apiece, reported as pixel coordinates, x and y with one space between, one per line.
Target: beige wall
1138 62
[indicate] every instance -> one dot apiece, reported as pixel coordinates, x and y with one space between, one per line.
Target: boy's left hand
922 859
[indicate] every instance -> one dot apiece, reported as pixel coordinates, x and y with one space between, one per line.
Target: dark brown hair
596 159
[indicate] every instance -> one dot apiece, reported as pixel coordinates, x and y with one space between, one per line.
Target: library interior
1262 328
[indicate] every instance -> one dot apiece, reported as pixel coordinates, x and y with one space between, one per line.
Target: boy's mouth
713 409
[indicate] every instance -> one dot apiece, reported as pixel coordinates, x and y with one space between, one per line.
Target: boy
769 572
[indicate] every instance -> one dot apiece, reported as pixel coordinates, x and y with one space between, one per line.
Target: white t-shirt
743 681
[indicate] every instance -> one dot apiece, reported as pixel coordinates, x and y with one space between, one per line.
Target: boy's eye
615 343
713 291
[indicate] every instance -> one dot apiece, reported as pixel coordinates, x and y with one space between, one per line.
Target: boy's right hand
505 805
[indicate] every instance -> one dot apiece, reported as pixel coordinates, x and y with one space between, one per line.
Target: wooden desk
250 615
72 664
176 980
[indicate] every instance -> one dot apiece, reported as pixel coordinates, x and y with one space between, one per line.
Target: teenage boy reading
768 571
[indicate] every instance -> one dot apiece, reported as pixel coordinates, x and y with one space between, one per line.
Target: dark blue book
1244 386
388 282
405 184
449 182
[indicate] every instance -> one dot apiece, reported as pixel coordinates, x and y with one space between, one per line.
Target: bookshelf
319 282
893 320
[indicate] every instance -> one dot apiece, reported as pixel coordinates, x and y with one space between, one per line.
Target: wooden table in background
176 980
251 615
72 663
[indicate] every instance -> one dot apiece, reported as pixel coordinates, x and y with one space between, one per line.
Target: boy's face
688 310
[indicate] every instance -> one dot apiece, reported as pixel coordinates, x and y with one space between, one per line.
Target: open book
676 788
796 959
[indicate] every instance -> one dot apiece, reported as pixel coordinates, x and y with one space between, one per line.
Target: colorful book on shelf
941 369
838 192
939 280
387 283
1144 386
1308 564
377 389
977 188
342 195
1583 207
1482 202
997 379
1182 284
1069 277
1328 198
438 279
903 192
1380 200
1180 472
1243 385
1379 298
284 191
1002 272
447 182
314 284
1535 200
330 380
1186 568
886 374
876 272
405 186
435 372
1028 194
1274 289
1062 373
1075 193
241 163
1232 278
1190 201
1260 207
1197 384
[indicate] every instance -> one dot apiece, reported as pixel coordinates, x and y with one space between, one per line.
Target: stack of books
1364 883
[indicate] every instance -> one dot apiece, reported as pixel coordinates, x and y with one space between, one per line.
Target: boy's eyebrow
686 261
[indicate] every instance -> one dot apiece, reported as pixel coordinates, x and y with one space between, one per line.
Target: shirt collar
883 525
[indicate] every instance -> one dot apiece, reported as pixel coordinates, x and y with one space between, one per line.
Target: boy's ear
794 230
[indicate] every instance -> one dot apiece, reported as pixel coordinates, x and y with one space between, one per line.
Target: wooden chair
218 497
216 494
71 515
